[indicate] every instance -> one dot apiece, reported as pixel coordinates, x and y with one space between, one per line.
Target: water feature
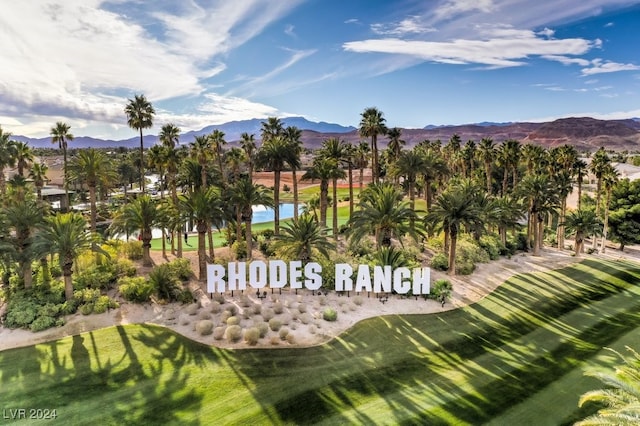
263 214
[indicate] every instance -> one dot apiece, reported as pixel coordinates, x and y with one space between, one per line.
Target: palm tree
454 211
487 152
564 185
142 215
579 169
24 215
234 160
217 143
598 167
60 135
323 169
201 152
621 397
248 144
7 156
67 236
303 239
24 156
509 156
293 135
157 162
350 159
509 213
202 206
273 155
38 173
394 147
361 161
384 214
92 167
336 150
244 195
169 135
582 223
140 114
372 125
435 168
541 194
609 181
409 165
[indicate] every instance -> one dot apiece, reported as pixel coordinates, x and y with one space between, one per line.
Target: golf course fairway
516 357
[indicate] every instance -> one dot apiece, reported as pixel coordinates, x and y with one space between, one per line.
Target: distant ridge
584 133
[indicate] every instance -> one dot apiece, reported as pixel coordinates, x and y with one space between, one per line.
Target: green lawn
516 357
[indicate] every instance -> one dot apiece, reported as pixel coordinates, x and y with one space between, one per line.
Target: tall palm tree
361 161
274 155
244 195
323 169
248 145
609 180
24 215
271 128
92 168
66 235
487 152
140 115
620 398
200 150
384 214
60 135
217 143
435 168
7 156
38 173
234 159
564 185
24 156
509 156
598 167
454 211
350 159
204 207
395 144
293 135
579 169
371 125
510 212
141 215
334 149
582 223
409 165
303 239
169 135
541 194
157 162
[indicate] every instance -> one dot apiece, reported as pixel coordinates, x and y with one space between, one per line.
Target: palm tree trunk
350 175
164 243
561 219
65 182
46 273
295 194
447 239
92 203
606 223
276 201
324 189
540 240
487 171
248 237
374 162
26 274
452 254
68 286
335 208
141 162
212 254
202 253
361 179
579 191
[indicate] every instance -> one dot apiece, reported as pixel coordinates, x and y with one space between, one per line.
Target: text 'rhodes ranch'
278 273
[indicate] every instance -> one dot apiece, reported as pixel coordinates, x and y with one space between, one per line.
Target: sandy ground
307 328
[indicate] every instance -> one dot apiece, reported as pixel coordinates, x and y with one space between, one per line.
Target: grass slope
516 357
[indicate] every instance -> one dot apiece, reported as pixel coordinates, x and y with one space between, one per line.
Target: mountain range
584 133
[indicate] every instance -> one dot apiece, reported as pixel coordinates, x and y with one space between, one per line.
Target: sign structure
278 273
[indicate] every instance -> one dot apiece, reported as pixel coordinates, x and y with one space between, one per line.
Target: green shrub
239 249
135 289
252 335
42 323
132 250
492 245
181 269
95 276
185 296
275 324
165 283
87 295
330 314
441 288
234 333
439 262
21 314
204 327
55 270
103 304
125 268
263 327
233 321
86 309
465 267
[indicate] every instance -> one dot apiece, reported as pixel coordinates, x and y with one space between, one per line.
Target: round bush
184 319
263 328
302 308
278 308
204 327
233 321
330 314
42 323
232 309
224 316
268 314
252 335
218 332
283 333
192 309
204 315
234 333
135 289
439 262
219 297
275 324
215 307
306 318
86 309
291 338
322 300
358 300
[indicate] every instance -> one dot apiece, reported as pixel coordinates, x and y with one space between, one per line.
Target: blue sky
421 62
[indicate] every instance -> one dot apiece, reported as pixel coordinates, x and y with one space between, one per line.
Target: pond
263 214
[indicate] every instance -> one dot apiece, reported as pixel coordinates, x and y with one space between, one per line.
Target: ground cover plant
517 356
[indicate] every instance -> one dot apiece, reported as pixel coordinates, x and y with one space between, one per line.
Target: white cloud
565 60
600 67
452 8
510 48
289 30
408 26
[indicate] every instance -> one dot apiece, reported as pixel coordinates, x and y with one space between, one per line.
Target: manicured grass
516 357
